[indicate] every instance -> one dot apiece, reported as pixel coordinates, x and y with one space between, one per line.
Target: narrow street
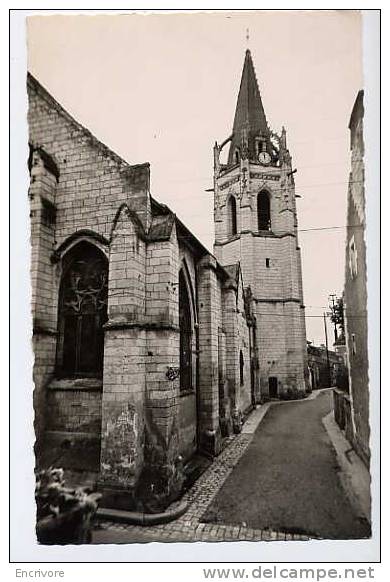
278 480
287 480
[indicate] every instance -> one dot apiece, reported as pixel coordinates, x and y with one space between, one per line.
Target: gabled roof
162 221
35 85
163 218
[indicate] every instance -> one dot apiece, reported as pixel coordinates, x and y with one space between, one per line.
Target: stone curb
186 526
138 518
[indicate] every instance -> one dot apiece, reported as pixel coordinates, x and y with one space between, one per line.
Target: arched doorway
82 312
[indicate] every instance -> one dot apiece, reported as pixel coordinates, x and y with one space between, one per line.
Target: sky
162 88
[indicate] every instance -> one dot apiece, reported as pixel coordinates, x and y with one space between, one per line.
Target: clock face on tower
264 158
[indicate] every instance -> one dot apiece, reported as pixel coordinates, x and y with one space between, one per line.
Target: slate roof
233 271
35 85
161 227
249 116
163 218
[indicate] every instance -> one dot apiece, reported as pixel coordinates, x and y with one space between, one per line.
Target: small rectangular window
353 344
353 258
267 263
49 212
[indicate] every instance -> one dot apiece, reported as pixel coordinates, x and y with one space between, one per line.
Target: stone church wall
90 186
124 356
245 397
141 426
209 306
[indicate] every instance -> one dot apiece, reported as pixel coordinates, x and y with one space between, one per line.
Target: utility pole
327 350
332 298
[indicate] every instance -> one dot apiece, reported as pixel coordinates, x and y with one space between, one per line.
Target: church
150 350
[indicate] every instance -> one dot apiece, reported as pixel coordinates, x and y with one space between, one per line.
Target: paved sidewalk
189 527
354 475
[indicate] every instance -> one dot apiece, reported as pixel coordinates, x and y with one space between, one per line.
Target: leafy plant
337 315
64 515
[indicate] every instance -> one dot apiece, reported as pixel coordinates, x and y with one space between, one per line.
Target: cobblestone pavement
188 527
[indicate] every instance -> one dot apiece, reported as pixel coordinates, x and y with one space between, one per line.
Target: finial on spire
247 37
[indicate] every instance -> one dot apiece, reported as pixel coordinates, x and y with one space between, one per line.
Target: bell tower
255 220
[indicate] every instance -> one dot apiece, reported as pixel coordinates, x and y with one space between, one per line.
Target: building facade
148 349
325 366
355 288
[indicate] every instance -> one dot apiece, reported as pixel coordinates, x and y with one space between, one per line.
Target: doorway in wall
312 379
273 387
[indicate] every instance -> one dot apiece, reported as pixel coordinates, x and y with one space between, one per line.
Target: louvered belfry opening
263 211
232 218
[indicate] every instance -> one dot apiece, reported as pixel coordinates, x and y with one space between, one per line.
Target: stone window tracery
82 312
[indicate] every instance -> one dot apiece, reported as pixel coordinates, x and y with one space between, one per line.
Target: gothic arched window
263 211
185 324
82 312
241 368
232 216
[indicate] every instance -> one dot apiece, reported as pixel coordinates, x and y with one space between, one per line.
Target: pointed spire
249 118
283 141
